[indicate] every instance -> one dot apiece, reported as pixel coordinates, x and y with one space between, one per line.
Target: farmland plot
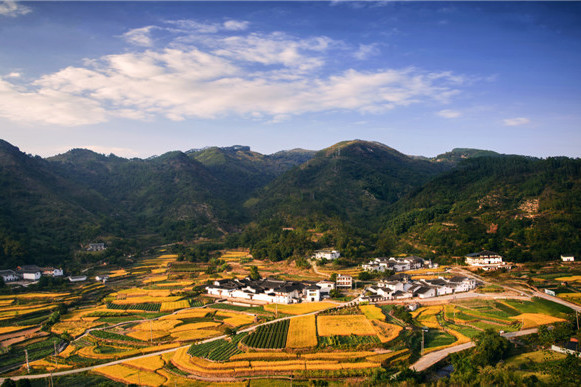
344 326
302 332
269 336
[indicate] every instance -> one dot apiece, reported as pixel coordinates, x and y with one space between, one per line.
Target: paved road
432 358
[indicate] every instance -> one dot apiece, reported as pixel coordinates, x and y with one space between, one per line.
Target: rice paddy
344 326
302 332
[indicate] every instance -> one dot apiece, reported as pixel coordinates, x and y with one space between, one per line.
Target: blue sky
143 78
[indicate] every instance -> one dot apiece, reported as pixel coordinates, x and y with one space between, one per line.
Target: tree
254 274
567 372
490 348
333 277
364 276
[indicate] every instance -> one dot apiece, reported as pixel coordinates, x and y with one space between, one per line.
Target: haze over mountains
457 202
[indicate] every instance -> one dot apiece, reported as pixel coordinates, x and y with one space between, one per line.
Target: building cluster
403 287
29 273
271 290
397 264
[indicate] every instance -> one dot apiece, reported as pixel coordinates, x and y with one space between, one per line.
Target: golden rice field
264 355
302 332
386 332
157 278
73 328
129 375
194 335
38 295
157 325
4 330
6 302
158 271
344 326
574 278
171 306
49 366
239 320
68 351
147 335
386 356
427 315
337 355
189 313
175 284
165 256
372 312
194 326
302 308
146 299
151 363
117 273
460 338
532 320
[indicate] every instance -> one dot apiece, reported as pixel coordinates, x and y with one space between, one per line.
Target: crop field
302 332
386 332
350 341
194 326
302 308
436 338
574 278
217 350
531 320
175 305
73 328
151 363
239 320
147 335
194 335
269 336
372 312
185 314
344 326
4 330
130 375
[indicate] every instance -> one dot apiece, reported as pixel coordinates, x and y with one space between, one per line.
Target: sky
139 79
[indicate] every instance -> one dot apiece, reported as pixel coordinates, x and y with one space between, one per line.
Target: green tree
333 277
254 274
490 348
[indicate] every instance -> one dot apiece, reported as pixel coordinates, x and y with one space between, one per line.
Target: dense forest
361 197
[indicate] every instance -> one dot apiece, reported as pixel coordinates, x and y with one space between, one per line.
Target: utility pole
27 365
55 357
422 350
151 331
577 314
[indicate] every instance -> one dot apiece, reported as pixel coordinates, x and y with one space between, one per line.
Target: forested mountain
351 181
362 197
524 207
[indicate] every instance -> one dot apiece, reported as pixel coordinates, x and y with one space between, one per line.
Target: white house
327 254
96 247
31 275
484 259
462 284
9 275
344 281
426 292
313 293
550 292
567 258
52 272
326 287
77 278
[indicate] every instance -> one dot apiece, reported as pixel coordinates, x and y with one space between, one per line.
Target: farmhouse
567 258
51 271
9 275
30 272
77 278
327 254
486 260
344 281
96 247
269 290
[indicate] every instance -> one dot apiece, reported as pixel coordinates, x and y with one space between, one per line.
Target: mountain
362 197
351 180
526 208
242 171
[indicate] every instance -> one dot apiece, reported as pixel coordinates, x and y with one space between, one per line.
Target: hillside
350 181
524 207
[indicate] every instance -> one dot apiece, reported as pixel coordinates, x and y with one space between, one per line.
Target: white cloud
365 51
48 106
12 8
14 74
139 36
268 77
447 113
235 25
517 121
